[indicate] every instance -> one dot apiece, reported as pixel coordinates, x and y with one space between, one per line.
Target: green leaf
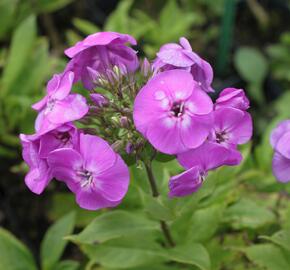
13 254
7 10
268 256
204 223
21 46
248 214
112 225
127 252
156 208
119 19
85 26
53 244
281 238
194 254
30 82
67 265
251 64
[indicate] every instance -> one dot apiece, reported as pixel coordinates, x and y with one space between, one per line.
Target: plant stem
155 193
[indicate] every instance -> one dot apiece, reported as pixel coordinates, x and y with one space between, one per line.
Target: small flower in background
232 97
96 174
280 141
36 149
172 112
101 52
175 56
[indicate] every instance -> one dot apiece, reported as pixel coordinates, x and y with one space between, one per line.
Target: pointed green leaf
13 254
194 254
112 225
281 238
53 244
21 46
268 256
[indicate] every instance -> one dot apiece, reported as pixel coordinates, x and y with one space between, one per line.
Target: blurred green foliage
238 220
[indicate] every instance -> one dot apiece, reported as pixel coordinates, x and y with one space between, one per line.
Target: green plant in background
252 67
14 255
280 59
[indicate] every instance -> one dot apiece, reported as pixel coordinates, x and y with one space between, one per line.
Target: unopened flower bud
94 75
124 122
129 148
145 67
117 146
117 71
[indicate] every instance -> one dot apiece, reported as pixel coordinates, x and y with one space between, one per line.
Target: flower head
181 56
232 97
96 174
36 149
197 163
231 127
101 52
172 112
280 141
59 106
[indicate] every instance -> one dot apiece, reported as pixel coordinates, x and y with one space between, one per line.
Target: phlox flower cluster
83 141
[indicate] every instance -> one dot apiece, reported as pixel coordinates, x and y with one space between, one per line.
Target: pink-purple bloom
59 106
181 56
197 163
280 141
36 149
230 128
172 112
101 52
233 97
95 173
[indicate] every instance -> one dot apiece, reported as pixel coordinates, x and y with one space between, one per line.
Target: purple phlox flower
280 141
172 112
197 163
233 97
231 127
101 52
99 178
172 56
59 106
37 147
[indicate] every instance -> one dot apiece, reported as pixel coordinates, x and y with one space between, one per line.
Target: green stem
155 193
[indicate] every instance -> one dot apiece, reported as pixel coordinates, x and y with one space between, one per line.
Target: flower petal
185 183
71 108
281 167
97 153
113 183
209 156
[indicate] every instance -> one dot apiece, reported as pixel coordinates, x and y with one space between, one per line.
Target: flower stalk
155 193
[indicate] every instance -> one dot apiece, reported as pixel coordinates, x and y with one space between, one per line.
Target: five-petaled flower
172 112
